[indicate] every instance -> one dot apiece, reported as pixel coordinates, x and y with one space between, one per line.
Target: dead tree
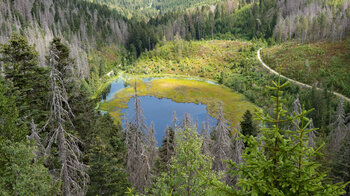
151 145
237 150
222 146
187 121
72 170
312 135
338 131
238 145
207 142
36 138
297 110
135 156
138 162
174 120
140 119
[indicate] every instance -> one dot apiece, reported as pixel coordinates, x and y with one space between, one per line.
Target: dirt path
294 81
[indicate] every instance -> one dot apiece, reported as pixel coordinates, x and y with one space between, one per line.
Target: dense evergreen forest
58 59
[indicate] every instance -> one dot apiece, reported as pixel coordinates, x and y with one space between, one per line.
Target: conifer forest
174 97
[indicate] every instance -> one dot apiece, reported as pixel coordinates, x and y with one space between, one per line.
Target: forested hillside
83 84
82 25
324 63
142 10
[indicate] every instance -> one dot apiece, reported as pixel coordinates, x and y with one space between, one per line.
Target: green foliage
166 151
10 127
19 175
104 64
183 177
324 63
105 153
27 79
247 126
208 59
340 168
107 176
20 172
143 9
280 162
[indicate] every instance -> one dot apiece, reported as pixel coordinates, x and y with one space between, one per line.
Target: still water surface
160 111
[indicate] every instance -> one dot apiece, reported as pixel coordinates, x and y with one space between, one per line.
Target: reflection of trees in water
105 91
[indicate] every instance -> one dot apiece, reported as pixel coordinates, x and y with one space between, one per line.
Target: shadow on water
112 89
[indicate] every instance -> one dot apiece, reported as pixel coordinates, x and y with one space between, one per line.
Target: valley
174 97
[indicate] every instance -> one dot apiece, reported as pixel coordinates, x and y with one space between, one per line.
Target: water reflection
160 111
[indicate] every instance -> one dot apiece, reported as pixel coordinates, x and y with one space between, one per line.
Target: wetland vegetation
180 90
167 97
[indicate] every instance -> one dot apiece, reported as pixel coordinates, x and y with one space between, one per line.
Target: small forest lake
161 96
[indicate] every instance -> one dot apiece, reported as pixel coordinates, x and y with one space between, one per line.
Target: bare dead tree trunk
174 120
151 146
338 131
207 142
72 172
297 110
36 138
312 135
222 147
140 156
188 122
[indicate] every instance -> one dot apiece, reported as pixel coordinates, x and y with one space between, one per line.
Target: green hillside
323 63
206 59
142 9
96 97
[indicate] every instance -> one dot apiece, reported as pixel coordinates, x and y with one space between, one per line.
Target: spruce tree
28 80
10 127
166 150
106 157
207 141
20 172
72 170
222 144
138 159
339 129
280 162
186 168
340 166
247 125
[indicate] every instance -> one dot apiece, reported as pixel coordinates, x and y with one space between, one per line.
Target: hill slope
320 63
142 9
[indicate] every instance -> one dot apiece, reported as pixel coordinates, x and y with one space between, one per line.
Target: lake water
160 111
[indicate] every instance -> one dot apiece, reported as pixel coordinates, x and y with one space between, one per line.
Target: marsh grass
182 91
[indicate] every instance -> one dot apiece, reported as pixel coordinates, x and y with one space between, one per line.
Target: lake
161 96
